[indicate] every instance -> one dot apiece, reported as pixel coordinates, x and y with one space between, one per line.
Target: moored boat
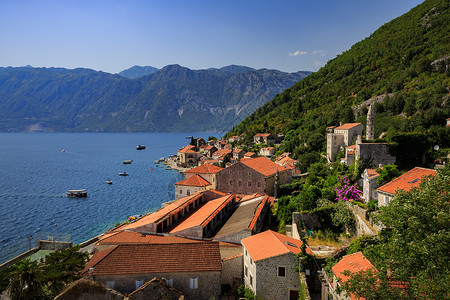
140 147
123 174
77 193
109 181
127 162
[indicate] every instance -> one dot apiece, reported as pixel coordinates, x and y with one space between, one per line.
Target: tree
412 255
387 174
347 192
25 282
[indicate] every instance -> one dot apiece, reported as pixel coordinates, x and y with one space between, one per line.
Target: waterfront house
191 185
405 182
253 175
270 263
208 150
187 157
192 268
246 220
206 171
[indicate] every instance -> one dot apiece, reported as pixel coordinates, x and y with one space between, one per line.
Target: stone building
375 153
370 126
342 136
206 171
194 268
187 157
253 175
263 138
267 152
269 265
405 182
156 289
238 154
369 184
191 185
85 289
208 150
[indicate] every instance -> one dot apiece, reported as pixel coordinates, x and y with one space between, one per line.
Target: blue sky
112 35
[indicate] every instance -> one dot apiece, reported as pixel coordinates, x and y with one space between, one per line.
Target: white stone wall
384 198
183 190
232 272
334 141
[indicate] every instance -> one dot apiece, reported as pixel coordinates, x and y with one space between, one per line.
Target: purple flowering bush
347 192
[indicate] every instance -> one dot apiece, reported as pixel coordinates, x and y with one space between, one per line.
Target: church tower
370 127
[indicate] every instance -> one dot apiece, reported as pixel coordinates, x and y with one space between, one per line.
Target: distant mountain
137 71
234 69
174 98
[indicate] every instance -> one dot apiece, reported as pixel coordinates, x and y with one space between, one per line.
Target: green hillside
407 59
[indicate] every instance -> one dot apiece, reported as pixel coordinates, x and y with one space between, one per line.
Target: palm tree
25 282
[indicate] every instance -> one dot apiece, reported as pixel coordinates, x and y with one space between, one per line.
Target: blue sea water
35 175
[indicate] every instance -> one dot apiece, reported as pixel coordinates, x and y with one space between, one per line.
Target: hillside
407 58
170 99
137 71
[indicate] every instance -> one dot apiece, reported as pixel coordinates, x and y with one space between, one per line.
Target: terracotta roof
263 165
407 181
267 148
249 154
372 173
263 134
221 152
187 149
286 160
270 243
353 263
347 126
203 215
195 180
148 258
205 169
233 257
258 212
237 150
133 237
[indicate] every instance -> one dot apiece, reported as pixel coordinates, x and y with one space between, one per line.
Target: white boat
127 162
77 193
109 181
123 174
140 147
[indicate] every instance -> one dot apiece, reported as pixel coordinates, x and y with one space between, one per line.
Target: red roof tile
371 173
407 181
263 165
187 149
353 263
269 244
195 180
204 169
347 126
258 212
133 237
149 258
263 134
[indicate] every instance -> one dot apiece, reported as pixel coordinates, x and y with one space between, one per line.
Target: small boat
127 162
63 150
123 174
77 193
109 181
140 147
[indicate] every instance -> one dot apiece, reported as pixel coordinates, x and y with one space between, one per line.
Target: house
88 289
263 138
192 268
245 221
405 182
156 289
169 215
220 144
350 155
448 122
208 150
206 171
187 157
375 153
191 185
342 136
221 154
238 154
253 175
228 146
285 160
352 263
234 138
370 185
267 152
250 155
200 142
270 263
206 219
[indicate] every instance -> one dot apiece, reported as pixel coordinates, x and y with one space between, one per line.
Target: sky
113 35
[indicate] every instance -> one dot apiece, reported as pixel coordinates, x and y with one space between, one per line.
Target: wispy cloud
319 52
296 53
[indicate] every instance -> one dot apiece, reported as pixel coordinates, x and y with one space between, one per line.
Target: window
139 283
188 192
249 184
193 283
240 183
110 284
251 261
246 271
231 182
181 191
259 184
281 271
251 280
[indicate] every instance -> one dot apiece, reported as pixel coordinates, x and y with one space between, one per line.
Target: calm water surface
35 175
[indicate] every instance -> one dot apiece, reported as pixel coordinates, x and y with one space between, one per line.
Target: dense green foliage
414 247
29 279
395 60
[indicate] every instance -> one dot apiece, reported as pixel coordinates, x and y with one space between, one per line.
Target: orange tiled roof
371 173
221 152
347 126
270 243
204 214
262 134
133 237
205 169
263 165
187 149
148 258
195 180
237 150
258 212
353 263
407 181
286 160
250 154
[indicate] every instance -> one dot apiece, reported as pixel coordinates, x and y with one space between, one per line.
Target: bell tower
370 127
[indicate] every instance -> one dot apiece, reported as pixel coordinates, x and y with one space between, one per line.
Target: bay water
36 170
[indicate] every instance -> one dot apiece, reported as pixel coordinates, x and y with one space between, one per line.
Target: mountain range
173 98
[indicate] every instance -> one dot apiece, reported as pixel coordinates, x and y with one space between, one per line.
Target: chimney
340 123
